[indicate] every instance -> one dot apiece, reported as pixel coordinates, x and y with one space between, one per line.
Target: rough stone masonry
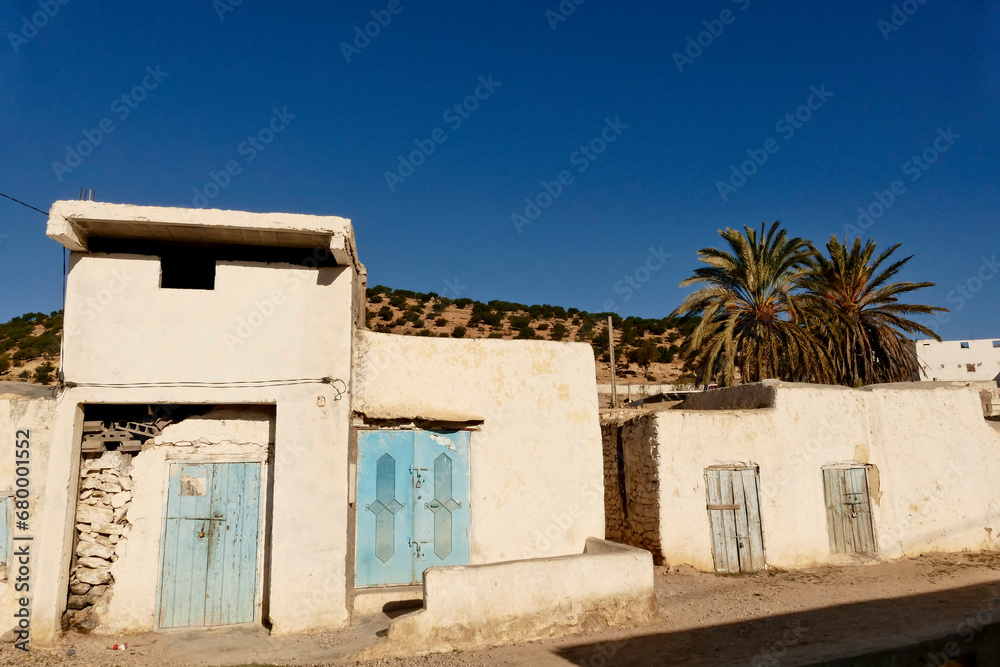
101 535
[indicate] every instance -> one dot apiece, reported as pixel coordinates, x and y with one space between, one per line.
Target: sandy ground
769 618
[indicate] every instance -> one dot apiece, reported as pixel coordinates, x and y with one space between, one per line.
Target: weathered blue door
210 537
412 506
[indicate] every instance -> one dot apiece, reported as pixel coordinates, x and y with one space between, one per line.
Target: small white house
959 360
792 475
231 446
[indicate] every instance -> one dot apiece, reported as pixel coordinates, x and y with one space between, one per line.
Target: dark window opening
221 252
187 269
996 343
965 346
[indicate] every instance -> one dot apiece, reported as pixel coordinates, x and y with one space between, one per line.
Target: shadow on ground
959 627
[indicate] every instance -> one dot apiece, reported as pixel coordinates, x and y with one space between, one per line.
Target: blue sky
618 121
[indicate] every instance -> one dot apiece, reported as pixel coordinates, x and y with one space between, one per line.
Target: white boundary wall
933 459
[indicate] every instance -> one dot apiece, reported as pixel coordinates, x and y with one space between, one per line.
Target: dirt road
771 618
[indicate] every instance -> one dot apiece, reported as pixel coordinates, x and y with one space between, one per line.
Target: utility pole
611 346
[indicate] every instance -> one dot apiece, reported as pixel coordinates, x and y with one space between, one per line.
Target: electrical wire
45 213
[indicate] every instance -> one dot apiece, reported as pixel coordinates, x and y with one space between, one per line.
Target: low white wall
484 605
31 409
934 465
536 469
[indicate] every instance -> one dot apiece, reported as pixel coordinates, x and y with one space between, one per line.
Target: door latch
416 546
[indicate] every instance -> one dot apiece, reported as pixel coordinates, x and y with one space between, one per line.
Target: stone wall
631 484
102 530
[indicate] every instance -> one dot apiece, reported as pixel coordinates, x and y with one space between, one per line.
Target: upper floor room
158 294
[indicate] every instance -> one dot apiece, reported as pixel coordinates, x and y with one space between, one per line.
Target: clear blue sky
655 185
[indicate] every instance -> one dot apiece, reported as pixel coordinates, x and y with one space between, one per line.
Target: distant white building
959 360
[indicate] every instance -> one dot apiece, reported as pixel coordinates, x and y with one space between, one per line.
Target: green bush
558 331
4 363
526 333
385 313
458 332
441 322
43 374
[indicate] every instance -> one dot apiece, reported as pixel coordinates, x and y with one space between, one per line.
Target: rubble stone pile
102 529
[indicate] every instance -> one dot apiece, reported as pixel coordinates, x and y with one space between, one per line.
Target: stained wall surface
932 460
536 464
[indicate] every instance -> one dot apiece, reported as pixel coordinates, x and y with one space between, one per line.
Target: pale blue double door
209 573
412 504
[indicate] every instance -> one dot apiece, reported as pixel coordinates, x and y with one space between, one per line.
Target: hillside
29 347
647 349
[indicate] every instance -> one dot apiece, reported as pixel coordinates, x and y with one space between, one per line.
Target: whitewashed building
793 475
231 446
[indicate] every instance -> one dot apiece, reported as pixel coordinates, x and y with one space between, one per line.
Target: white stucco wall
536 468
266 334
948 360
261 322
216 438
309 550
934 465
31 409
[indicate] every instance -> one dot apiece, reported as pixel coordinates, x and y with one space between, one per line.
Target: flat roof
72 223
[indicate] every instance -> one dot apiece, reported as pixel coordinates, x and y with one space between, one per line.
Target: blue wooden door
208 574
412 506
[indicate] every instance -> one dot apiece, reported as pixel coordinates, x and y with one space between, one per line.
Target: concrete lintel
61 229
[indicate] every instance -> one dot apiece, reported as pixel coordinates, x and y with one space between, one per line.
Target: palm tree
856 310
749 317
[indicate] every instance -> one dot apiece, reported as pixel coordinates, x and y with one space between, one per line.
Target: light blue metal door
210 537
412 505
